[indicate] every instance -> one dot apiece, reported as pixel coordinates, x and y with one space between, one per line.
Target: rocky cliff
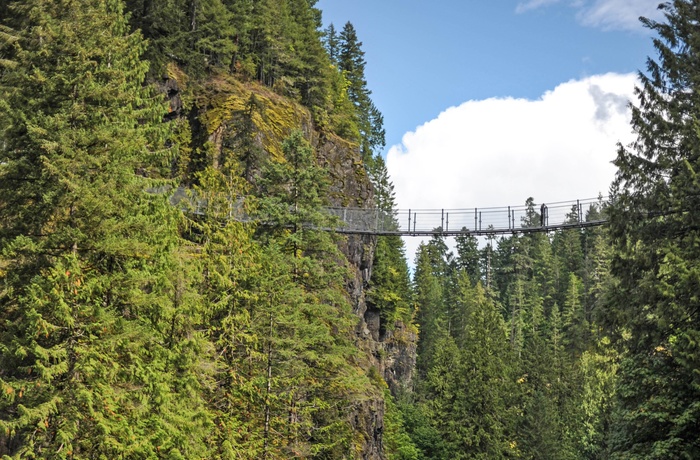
219 111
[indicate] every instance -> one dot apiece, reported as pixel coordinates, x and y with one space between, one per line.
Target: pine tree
484 418
568 256
96 355
654 231
390 289
195 34
331 43
311 68
575 327
369 119
468 256
431 318
305 317
397 442
244 145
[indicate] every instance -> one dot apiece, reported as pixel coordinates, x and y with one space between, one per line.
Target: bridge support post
442 221
475 224
409 220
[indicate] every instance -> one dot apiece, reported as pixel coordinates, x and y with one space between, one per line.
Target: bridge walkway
475 221
541 217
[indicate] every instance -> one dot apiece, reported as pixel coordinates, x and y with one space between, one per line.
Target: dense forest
133 326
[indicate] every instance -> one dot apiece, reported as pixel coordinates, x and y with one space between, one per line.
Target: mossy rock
224 96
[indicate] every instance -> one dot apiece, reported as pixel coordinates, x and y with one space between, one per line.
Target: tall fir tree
390 289
654 229
369 119
95 355
311 376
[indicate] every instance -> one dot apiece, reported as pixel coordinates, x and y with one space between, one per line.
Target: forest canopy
133 328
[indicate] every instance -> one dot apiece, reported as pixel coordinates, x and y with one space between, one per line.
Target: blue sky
425 56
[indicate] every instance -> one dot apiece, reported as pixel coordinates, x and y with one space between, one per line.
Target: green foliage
309 355
194 33
423 434
471 395
369 120
397 443
390 288
128 330
653 226
95 352
504 372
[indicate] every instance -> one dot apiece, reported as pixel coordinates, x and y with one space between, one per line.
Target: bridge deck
475 221
426 222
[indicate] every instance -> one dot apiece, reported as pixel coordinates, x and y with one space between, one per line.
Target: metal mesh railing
537 217
478 221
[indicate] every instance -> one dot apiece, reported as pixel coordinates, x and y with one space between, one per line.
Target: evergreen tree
482 419
331 42
305 317
575 327
654 230
244 144
431 318
95 353
397 442
227 288
369 120
310 70
468 256
390 288
568 256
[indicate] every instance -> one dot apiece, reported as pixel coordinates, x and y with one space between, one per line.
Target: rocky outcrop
219 106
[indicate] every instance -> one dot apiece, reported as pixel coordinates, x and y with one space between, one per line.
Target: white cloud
605 14
618 14
533 4
499 152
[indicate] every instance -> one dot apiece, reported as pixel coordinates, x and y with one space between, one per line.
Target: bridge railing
478 221
481 221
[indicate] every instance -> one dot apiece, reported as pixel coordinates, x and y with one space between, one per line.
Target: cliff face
223 108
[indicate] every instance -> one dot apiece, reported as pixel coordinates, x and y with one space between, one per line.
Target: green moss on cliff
224 96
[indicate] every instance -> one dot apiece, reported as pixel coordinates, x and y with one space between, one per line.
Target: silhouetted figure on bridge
543 215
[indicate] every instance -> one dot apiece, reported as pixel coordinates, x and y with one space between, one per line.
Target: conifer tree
96 357
389 289
310 69
568 256
331 43
226 287
431 316
654 230
575 327
468 256
305 317
369 119
397 442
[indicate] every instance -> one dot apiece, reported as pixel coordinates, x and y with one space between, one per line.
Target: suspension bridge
476 221
541 217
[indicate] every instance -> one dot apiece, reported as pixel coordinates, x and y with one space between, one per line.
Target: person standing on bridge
543 213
